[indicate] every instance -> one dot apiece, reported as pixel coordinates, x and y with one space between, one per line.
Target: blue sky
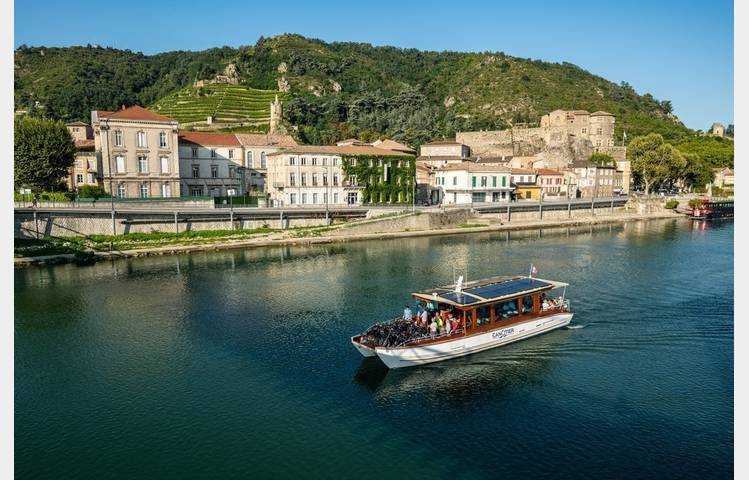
678 51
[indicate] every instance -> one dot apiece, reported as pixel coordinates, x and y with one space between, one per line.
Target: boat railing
560 304
420 338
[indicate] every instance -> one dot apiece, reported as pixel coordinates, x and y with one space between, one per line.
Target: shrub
671 204
91 191
695 203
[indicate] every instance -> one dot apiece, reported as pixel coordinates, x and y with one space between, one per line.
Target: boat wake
575 327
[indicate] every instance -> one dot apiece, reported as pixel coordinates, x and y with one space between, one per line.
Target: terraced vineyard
225 103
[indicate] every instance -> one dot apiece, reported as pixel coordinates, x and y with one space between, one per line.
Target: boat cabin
494 302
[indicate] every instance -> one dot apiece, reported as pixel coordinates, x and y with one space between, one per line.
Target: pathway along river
238 363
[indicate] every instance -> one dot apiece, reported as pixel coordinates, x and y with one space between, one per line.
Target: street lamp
105 135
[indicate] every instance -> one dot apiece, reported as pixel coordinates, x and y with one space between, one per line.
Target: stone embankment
450 222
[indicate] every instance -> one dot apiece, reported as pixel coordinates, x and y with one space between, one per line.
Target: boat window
483 317
527 304
469 319
506 309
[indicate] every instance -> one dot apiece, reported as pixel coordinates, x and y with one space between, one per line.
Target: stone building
441 152
255 150
84 170
137 152
276 115
310 175
717 130
595 180
471 182
210 164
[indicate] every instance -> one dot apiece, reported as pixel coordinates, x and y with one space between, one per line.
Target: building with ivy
316 176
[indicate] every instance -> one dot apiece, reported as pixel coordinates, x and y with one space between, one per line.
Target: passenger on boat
433 328
448 326
425 317
438 321
408 314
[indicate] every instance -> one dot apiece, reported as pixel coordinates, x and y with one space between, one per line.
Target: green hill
225 103
335 90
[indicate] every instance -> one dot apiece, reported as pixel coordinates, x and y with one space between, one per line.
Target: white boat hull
411 356
363 349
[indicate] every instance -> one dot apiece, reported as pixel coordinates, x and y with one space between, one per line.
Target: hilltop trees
43 153
601 158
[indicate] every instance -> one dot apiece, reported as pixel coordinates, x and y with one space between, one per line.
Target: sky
678 51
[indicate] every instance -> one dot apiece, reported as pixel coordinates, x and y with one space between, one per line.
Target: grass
473 225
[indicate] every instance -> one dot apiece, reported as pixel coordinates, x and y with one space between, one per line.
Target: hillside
335 90
225 103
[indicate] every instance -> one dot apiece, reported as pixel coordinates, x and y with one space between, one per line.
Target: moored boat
476 316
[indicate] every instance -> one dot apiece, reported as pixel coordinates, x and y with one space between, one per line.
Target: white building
256 148
469 182
209 164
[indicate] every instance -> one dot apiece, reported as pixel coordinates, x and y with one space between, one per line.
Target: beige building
598 127
723 178
84 170
551 183
442 152
210 164
717 130
255 150
596 180
314 176
138 152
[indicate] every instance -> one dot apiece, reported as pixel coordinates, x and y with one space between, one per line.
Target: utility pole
105 135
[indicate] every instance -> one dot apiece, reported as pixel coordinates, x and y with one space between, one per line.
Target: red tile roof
474 167
548 171
209 138
85 144
344 150
443 142
134 113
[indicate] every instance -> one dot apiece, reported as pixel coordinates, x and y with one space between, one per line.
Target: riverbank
316 235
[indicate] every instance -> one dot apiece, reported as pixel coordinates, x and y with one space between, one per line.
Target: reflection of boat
487 313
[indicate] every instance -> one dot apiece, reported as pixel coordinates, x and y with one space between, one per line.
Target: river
238 363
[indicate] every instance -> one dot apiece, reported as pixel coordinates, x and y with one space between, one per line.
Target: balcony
278 185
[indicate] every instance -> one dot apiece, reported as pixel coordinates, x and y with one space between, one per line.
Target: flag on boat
534 270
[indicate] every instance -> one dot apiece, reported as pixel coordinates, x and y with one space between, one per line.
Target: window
262 160
196 191
584 130
505 310
142 164
121 193
325 179
214 171
478 197
292 198
303 180
483 181
455 180
213 153
292 179
144 190
292 161
324 161
166 190
483 316
494 181
117 138
314 198
91 178
79 178
303 161
314 160
120 160
249 160
78 164
504 181
140 139
599 131
473 181
231 153
352 180
164 164
196 171
527 304
314 181
162 139
194 152
335 161
598 143
304 198
232 172
335 179
325 197
335 198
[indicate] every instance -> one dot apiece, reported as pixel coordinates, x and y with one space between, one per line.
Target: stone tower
276 114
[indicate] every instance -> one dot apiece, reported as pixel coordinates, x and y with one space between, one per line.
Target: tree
43 152
600 158
654 161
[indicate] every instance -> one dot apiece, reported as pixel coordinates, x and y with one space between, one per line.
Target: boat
490 313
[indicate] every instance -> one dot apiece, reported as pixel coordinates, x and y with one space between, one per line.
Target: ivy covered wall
370 170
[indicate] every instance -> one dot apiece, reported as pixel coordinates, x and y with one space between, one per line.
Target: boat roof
488 290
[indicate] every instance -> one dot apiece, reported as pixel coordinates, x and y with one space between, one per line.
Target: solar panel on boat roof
459 298
507 288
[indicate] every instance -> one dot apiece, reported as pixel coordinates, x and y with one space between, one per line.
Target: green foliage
600 158
43 153
370 174
715 151
654 161
406 94
91 191
672 204
695 203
